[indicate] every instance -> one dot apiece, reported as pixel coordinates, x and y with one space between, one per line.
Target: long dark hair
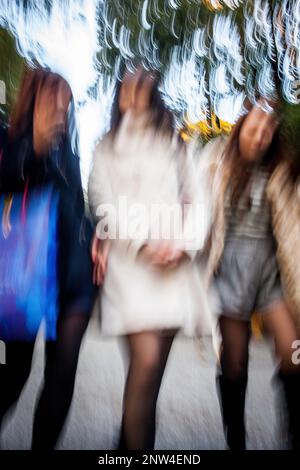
241 173
162 118
21 119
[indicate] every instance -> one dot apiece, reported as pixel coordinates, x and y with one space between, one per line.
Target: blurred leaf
11 68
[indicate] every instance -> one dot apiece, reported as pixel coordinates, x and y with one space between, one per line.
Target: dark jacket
60 168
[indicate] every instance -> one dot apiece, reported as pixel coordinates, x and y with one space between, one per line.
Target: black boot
232 394
291 387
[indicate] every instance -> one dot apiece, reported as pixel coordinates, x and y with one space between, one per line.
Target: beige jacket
284 198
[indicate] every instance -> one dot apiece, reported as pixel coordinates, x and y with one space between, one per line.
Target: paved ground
188 411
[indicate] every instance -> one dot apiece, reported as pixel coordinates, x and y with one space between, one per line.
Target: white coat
141 166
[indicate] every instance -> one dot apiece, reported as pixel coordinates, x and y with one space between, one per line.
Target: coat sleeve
196 195
100 192
104 202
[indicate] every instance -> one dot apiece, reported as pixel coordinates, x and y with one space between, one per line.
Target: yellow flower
205 129
213 5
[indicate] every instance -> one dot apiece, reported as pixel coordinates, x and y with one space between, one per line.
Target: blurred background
210 54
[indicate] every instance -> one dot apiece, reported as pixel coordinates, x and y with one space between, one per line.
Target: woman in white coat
151 285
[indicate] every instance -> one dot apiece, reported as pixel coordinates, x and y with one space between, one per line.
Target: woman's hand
99 252
178 257
162 255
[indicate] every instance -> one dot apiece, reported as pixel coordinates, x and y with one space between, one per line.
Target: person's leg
149 353
232 379
14 374
280 324
60 372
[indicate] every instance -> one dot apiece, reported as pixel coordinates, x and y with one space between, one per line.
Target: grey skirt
248 277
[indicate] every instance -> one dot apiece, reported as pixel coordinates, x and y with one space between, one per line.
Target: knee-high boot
291 388
232 395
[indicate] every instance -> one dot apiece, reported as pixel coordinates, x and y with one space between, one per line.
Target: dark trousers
59 378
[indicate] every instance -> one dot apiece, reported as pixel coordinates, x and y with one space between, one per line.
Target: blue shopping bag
28 264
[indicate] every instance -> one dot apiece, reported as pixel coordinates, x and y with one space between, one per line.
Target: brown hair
162 117
240 173
21 120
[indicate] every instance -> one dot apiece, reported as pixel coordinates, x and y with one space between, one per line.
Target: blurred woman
255 207
151 288
38 153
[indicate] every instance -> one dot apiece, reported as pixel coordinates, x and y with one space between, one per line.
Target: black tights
59 378
14 374
232 379
149 353
235 343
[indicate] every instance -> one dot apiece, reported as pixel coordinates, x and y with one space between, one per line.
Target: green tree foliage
11 67
172 27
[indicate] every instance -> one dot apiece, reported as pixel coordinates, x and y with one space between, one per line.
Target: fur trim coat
284 198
